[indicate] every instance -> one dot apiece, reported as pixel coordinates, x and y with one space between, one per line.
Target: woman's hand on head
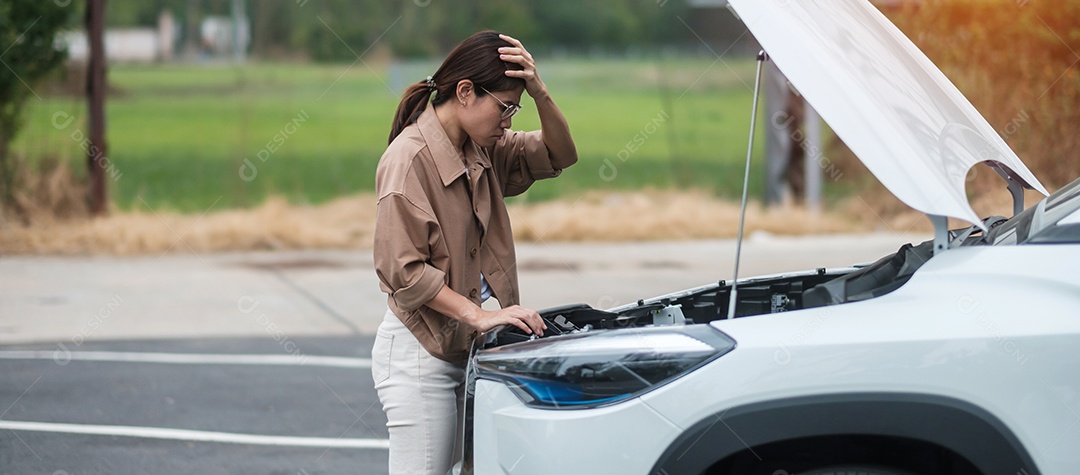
553 125
519 55
525 319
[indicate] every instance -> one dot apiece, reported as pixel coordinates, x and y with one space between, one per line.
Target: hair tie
430 83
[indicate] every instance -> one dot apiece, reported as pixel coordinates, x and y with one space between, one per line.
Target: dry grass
52 191
51 218
349 223
342 223
662 215
59 224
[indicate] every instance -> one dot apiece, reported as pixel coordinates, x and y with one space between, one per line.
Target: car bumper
512 438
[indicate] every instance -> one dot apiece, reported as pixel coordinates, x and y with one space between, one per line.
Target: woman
443 242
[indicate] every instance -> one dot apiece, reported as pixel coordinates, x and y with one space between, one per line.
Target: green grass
178 135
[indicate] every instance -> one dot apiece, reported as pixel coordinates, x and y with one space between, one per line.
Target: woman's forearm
456 306
553 124
556 131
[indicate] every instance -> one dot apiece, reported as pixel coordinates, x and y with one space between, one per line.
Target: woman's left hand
518 54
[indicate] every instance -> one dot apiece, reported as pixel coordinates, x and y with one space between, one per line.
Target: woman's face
483 118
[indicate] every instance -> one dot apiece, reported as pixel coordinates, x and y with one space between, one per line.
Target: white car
960 355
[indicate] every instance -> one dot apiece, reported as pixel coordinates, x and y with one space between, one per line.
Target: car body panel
523 440
884 98
963 327
962 428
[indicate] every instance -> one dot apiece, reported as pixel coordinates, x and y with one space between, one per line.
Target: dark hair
475 58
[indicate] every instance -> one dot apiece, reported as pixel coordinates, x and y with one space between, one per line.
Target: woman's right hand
527 319
456 306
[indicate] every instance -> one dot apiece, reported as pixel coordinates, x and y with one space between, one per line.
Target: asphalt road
295 399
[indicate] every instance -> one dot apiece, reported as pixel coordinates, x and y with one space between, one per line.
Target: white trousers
422 396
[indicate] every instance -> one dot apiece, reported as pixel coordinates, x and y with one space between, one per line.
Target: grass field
178 136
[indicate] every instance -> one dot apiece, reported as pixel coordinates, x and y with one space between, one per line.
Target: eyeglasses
508 109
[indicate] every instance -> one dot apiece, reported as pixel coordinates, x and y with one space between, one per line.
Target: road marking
196 435
189 358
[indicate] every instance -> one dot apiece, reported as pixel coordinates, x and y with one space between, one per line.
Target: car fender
962 427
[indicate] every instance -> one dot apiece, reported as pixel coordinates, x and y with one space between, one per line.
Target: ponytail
477 59
412 105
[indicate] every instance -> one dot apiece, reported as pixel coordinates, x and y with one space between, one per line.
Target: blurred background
255 124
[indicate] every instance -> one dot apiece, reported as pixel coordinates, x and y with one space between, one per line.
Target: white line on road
188 358
195 435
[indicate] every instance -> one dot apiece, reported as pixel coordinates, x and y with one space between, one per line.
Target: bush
28 30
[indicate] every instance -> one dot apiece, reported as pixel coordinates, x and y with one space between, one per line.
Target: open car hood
884 98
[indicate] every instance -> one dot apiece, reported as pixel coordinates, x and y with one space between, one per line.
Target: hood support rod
734 295
1016 189
941 233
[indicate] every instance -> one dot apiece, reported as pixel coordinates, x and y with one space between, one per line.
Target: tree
28 30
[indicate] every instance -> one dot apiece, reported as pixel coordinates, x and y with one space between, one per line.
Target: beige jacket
436 224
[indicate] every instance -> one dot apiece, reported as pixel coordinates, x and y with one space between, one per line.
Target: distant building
128 45
131 45
219 37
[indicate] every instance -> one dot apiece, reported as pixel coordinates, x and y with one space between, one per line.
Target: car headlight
600 367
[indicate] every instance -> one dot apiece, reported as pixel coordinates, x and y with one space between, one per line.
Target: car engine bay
756 296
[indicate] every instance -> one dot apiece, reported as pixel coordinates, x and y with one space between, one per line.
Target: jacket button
472 253
472 293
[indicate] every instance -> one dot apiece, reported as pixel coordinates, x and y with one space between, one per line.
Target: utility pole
240 31
95 92
191 32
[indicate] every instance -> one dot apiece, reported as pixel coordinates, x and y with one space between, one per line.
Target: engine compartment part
757 296
879 278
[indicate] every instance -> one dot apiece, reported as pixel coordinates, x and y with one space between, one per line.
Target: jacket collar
448 159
